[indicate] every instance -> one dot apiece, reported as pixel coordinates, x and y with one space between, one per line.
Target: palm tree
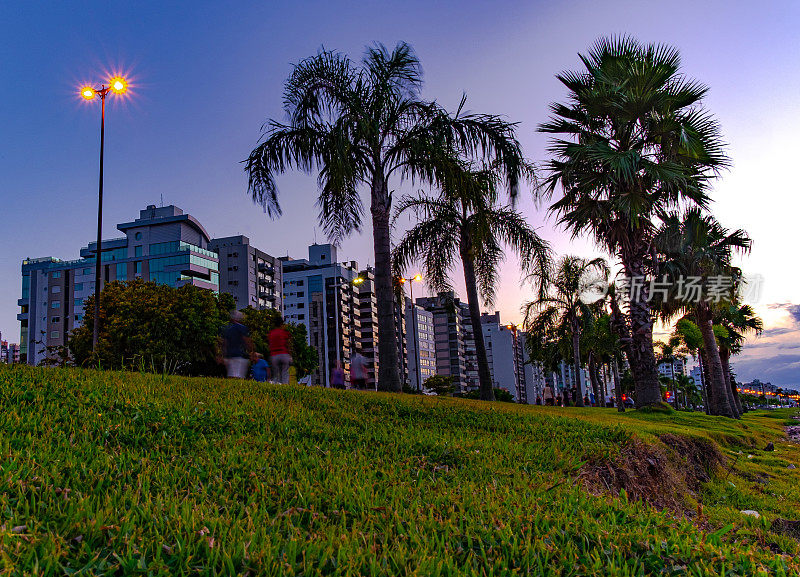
568 304
465 222
633 141
737 320
358 127
688 334
694 245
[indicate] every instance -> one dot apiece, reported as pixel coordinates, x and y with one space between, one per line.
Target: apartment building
319 292
253 277
505 353
449 339
421 345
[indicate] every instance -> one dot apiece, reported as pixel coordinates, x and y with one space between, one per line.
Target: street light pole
117 85
103 92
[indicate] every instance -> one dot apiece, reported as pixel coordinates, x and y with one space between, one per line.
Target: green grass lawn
122 473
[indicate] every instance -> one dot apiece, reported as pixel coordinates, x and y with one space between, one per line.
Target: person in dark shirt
279 349
236 346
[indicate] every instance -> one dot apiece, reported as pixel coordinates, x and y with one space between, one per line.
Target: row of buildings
334 299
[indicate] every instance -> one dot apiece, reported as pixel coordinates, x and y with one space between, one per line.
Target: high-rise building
253 277
505 353
319 292
672 369
449 338
163 245
421 345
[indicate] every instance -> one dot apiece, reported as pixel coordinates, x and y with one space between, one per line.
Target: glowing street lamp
416 278
117 85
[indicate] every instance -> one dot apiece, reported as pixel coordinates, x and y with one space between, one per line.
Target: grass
123 473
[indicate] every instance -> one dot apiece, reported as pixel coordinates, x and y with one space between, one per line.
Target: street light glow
88 92
358 280
417 277
119 85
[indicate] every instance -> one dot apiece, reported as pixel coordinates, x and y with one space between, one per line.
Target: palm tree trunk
642 356
484 375
725 357
719 402
594 376
389 367
617 386
576 360
703 359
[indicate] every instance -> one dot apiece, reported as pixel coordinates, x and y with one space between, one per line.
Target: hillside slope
127 473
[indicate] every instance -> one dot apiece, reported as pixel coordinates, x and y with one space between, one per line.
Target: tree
359 126
154 327
737 320
694 245
441 385
566 305
633 140
466 223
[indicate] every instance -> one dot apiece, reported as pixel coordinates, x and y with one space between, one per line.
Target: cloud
772 356
792 309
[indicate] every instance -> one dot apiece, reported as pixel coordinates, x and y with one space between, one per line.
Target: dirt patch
794 433
786 527
663 475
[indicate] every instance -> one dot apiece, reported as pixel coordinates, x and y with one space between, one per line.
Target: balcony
266 268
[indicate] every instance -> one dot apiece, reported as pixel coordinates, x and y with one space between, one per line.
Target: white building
504 351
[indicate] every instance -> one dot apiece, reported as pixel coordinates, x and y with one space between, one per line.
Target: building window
78 286
55 320
78 302
138 236
78 318
122 271
87 271
300 283
137 250
301 317
301 293
55 335
301 305
55 289
137 267
56 305
56 274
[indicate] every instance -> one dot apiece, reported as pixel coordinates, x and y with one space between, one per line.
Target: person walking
260 368
358 371
236 346
549 398
337 376
279 349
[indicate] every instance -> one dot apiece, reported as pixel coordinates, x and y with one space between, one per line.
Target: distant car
628 402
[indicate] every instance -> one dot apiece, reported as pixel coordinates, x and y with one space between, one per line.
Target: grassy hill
110 473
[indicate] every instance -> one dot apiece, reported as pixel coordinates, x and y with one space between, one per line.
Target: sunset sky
206 75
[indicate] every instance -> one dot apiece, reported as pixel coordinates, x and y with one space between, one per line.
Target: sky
205 76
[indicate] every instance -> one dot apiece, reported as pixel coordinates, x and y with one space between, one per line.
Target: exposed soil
661 475
794 433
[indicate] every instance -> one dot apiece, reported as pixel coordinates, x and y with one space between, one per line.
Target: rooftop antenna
162 200
315 235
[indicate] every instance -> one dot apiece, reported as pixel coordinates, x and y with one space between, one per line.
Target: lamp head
88 92
417 277
118 85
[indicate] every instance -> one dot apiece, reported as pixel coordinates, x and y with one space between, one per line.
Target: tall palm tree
465 223
358 127
737 320
695 245
568 304
633 140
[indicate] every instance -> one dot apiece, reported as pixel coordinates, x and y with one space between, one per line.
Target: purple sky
207 75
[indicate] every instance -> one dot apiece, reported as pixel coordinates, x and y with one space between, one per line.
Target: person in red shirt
280 341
